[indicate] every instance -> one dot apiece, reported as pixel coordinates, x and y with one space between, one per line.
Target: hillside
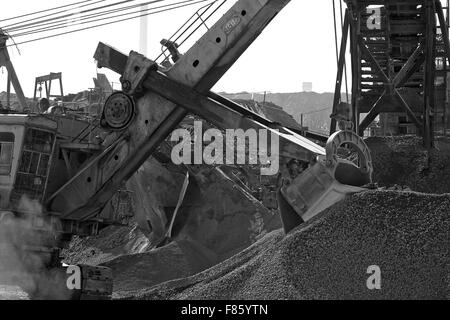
297 103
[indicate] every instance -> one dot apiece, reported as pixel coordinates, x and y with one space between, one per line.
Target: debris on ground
110 243
406 234
136 265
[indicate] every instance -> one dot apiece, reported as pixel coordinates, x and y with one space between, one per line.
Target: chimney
144 31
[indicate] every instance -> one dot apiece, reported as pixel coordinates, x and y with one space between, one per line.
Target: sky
298 46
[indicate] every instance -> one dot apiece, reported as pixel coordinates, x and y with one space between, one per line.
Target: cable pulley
118 111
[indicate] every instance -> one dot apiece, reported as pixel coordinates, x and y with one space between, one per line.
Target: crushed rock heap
406 234
403 161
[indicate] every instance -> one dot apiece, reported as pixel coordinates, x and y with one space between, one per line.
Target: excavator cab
26 149
30 236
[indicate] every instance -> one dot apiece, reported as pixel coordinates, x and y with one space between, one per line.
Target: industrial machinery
5 61
48 80
154 99
399 66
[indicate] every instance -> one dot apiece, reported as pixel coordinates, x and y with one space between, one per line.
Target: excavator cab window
6 152
32 173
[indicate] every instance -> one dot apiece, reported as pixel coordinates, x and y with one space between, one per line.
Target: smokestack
144 31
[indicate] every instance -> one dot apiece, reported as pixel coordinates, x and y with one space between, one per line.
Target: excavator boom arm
164 96
200 68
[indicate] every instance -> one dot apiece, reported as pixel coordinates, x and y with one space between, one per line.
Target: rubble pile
112 242
136 263
406 234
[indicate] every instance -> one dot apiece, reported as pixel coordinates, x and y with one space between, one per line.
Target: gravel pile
403 161
406 234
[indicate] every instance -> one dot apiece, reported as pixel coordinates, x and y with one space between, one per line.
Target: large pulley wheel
118 111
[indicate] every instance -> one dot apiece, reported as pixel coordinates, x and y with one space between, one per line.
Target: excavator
41 210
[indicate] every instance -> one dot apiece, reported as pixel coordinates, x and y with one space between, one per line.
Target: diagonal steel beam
414 62
373 113
408 110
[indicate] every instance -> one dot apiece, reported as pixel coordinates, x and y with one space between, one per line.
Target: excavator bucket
326 182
